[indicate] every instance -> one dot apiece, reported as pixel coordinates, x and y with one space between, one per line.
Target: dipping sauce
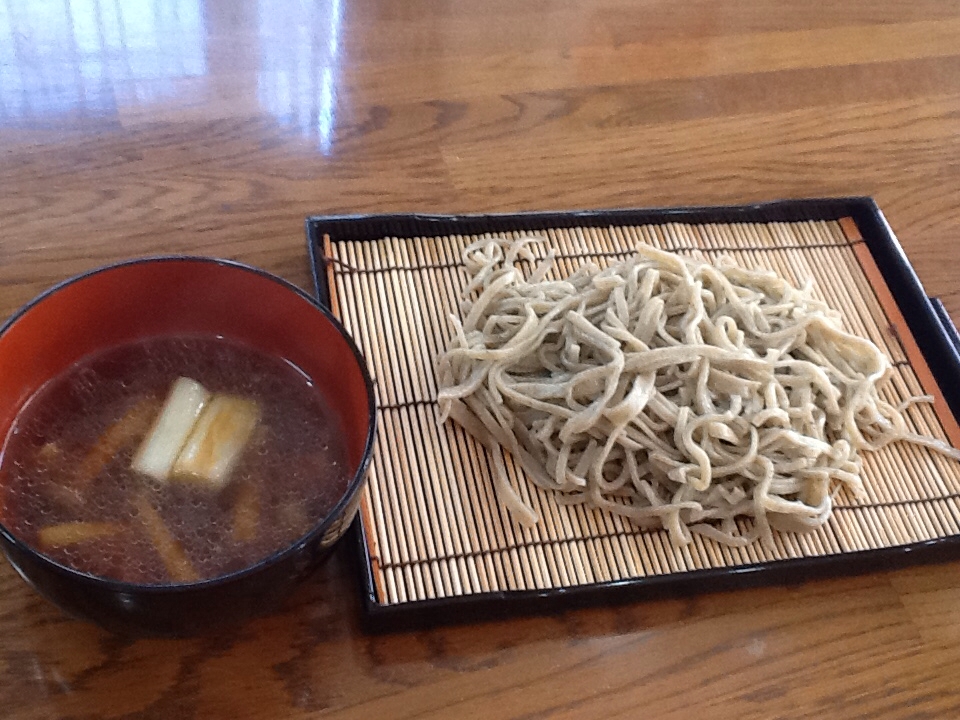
68 489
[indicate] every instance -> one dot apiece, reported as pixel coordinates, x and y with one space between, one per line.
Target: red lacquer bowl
177 295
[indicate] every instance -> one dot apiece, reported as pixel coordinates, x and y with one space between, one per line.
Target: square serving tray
433 543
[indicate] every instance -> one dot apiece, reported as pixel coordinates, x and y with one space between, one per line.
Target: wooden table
214 127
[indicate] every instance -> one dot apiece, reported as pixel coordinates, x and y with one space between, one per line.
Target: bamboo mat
433 528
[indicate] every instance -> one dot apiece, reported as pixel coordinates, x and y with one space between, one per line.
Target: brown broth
293 468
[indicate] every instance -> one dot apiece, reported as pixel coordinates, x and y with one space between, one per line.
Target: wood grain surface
214 127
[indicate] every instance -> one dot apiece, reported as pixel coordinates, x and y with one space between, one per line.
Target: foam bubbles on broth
294 466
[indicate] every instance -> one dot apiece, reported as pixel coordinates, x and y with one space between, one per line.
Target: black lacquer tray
434 546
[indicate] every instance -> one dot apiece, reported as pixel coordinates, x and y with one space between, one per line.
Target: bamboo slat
433 526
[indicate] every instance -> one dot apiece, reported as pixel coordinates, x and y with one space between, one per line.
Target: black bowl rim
353 487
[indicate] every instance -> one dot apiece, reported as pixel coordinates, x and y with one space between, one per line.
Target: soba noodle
670 391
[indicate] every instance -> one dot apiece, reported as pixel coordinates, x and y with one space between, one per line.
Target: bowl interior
152 297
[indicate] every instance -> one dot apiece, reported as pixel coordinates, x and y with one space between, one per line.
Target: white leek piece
217 441
160 449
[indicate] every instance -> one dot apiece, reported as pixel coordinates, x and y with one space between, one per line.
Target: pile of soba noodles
674 392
